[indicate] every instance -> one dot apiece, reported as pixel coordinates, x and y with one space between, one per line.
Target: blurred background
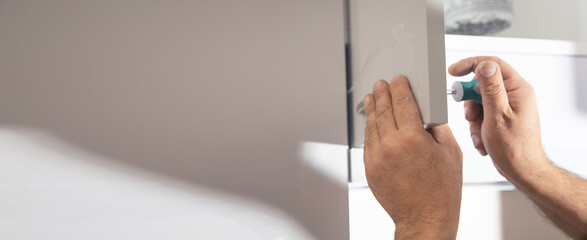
539 19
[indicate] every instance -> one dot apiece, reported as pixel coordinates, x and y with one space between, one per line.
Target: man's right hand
506 125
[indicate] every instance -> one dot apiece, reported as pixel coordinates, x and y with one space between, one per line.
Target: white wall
172 120
548 19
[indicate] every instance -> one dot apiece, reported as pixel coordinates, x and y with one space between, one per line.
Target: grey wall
219 94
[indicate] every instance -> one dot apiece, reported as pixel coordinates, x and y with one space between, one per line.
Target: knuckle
492 89
471 115
472 60
456 150
383 110
401 101
503 121
388 147
369 133
411 138
495 59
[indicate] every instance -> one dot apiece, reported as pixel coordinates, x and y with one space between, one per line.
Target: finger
492 88
472 110
474 114
475 128
405 108
468 65
442 134
383 109
372 139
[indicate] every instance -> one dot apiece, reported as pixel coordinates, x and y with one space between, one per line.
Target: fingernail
366 101
476 140
378 84
482 151
487 70
397 77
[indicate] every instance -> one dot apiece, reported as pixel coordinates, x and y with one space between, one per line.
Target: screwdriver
462 91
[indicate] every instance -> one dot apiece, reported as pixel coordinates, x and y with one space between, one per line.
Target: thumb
495 98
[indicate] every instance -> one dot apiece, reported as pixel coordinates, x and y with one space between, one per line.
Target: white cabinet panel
406 37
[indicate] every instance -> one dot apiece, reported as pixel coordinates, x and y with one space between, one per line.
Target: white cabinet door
173 120
394 37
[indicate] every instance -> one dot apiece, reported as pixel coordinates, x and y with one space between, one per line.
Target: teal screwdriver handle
462 91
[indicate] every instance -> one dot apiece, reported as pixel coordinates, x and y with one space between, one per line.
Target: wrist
531 177
437 230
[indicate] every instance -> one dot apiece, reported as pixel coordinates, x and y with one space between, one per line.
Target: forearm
561 195
561 222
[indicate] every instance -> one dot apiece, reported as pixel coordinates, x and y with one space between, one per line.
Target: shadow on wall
160 89
521 219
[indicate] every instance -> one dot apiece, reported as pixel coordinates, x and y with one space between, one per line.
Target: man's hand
506 125
416 175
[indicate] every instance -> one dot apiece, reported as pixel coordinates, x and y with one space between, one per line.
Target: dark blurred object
477 17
